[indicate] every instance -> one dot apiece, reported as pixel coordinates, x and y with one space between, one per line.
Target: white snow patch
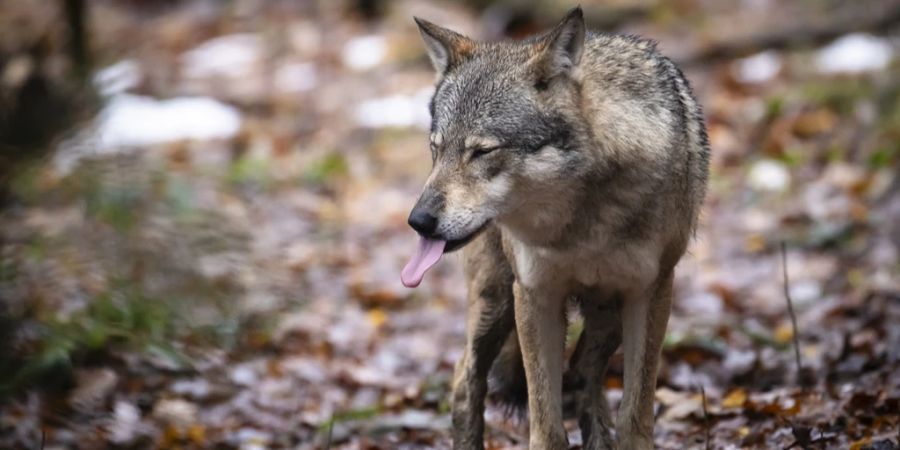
232 55
396 111
703 304
804 292
854 53
769 175
758 68
363 53
243 375
132 120
126 422
118 78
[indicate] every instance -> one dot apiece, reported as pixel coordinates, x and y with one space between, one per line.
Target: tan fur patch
481 142
464 47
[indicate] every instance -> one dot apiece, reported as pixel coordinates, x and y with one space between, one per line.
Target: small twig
790 305
705 415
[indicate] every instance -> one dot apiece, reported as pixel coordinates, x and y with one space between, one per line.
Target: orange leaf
735 398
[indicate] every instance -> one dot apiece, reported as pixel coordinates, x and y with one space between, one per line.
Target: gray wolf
569 165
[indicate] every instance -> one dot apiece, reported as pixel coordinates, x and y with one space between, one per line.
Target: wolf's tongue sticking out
427 255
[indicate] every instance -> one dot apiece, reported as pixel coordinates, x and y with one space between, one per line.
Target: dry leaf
735 398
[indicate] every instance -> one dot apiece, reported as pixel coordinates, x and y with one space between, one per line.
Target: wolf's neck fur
551 213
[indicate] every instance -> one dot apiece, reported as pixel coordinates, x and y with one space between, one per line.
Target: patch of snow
225 56
769 175
363 53
854 53
125 424
396 111
739 361
131 120
704 304
197 388
175 411
758 68
118 78
233 67
243 375
252 439
804 292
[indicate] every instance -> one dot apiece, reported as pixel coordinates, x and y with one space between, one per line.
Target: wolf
568 166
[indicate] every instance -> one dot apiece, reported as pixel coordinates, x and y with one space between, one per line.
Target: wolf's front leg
601 337
541 325
644 319
489 323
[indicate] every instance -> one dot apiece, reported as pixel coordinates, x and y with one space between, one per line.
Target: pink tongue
428 254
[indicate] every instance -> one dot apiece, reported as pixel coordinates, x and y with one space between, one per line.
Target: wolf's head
503 134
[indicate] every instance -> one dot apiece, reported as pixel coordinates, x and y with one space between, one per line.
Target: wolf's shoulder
629 64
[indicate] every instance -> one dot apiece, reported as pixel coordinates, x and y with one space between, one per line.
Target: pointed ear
446 48
564 45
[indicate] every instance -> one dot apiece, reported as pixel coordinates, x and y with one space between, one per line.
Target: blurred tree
36 105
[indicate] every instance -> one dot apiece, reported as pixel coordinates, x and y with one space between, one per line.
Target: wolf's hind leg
489 323
600 338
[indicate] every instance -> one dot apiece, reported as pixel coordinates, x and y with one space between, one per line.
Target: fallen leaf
197 434
735 398
176 412
860 444
94 387
378 317
784 333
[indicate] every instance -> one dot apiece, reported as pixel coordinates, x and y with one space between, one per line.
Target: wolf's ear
564 45
446 48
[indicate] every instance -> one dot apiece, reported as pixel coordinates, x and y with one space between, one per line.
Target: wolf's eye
481 151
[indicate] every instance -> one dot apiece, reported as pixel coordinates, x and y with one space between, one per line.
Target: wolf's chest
592 264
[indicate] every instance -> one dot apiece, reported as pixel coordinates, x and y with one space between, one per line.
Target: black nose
422 221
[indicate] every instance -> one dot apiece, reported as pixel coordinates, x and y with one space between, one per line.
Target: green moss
249 170
117 205
841 95
349 415
793 157
774 106
325 169
121 318
179 197
885 156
